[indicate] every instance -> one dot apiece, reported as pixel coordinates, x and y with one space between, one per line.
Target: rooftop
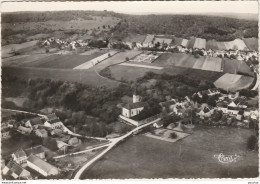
34 150
45 166
130 106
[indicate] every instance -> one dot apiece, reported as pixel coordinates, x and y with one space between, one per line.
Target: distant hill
17 27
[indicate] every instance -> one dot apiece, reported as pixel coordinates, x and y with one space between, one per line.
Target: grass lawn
64 61
192 157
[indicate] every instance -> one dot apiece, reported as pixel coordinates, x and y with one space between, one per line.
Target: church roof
130 106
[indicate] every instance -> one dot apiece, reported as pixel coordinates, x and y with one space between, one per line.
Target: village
177 119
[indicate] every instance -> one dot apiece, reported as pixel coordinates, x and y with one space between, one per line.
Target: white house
42 167
52 121
158 124
19 156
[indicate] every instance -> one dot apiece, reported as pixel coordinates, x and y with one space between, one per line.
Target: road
24 112
114 141
257 81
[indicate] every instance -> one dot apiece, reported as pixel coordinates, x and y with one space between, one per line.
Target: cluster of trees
78 101
207 27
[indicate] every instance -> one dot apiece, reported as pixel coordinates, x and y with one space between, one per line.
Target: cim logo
226 158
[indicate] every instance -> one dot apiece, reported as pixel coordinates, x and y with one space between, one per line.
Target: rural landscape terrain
106 95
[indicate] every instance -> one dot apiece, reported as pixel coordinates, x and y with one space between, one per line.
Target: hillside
18 27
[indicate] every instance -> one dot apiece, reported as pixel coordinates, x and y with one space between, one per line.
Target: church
133 109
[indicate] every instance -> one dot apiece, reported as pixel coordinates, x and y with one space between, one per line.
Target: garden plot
166 135
234 66
200 43
236 44
94 61
232 82
211 44
145 58
212 64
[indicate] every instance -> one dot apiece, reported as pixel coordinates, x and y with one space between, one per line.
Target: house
34 123
62 145
5 131
52 121
19 156
233 96
41 133
206 111
56 132
213 92
16 171
24 130
37 151
158 124
74 141
171 126
42 167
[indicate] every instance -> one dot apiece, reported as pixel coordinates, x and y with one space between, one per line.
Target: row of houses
38 124
33 158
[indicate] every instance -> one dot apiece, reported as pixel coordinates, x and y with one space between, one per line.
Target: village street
114 141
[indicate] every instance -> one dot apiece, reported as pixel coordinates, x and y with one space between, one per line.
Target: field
96 60
63 61
234 66
192 157
116 59
251 43
200 43
235 44
88 77
232 82
189 61
21 60
7 49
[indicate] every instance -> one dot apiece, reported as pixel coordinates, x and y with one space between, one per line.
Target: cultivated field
192 157
235 44
234 66
232 82
200 43
189 61
116 59
89 77
63 61
7 49
251 43
94 61
23 60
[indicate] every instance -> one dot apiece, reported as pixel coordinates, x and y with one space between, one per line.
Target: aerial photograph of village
129 90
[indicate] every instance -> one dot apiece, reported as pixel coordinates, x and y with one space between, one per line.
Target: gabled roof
15 168
45 166
20 153
232 104
35 150
51 116
24 129
36 121
130 106
54 121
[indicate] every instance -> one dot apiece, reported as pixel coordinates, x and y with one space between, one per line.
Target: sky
141 7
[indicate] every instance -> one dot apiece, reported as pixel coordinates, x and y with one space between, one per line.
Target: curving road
257 82
114 141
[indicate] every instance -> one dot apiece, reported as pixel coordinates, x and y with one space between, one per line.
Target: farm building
37 151
19 156
34 123
24 130
42 167
16 171
163 41
158 124
52 121
41 133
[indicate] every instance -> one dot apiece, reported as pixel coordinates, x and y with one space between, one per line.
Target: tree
173 135
212 101
126 59
50 143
